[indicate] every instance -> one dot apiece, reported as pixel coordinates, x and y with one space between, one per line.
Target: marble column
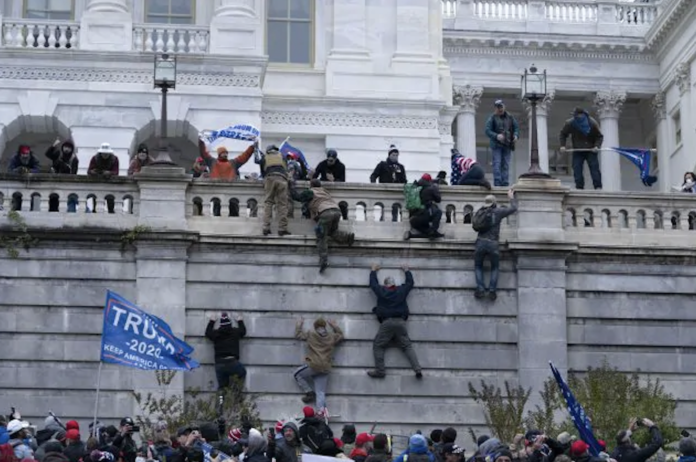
468 99
238 27
682 78
663 155
609 105
106 25
542 113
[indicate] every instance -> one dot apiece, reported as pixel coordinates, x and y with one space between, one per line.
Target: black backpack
315 436
483 219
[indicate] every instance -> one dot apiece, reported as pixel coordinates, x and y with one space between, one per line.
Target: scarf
582 124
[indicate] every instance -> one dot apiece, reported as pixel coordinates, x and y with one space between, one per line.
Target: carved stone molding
543 106
348 120
444 128
609 103
107 6
125 76
682 77
467 97
658 105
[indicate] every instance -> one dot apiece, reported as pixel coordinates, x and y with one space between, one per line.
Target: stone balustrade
173 38
40 34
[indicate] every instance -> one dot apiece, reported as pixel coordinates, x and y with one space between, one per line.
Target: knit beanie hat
687 447
225 320
417 442
320 322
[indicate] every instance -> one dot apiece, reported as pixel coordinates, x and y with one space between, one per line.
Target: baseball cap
73 434
499 103
363 438
16 425
451 448
127 421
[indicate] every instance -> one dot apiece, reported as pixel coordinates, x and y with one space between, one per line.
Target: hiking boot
479 293
284 233
266 232
407 235
375 374
323 265
309 397
351 239
419 375
492 296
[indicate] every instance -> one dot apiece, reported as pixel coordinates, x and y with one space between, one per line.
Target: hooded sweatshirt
417 451
256 451
320 348
289 452
63 163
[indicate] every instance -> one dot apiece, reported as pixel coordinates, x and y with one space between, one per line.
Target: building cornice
353 120
543 49
666 22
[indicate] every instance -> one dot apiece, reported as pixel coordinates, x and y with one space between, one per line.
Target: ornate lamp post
534 90
164 79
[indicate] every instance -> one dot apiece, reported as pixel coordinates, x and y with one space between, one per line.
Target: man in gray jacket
486 223
587 139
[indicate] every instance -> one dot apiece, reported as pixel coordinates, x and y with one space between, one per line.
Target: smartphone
135 428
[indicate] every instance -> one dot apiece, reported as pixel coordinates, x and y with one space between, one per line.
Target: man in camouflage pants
326 212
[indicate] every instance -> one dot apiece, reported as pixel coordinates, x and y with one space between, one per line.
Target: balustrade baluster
149 34
170 41
74 37
62 37
193 42
203 42
181 44
9 36
138 39
51 30
40 37
159 43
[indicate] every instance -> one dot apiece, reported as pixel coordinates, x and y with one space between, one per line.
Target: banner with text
133 338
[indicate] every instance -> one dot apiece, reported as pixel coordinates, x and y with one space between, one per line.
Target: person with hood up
50 446
290 447
687 450
141 159
426 221
54 453
321 344
313 430
24 161
390 170
381 452
327 213
276 193
74 447
467 172
417 451
227 353
222 168
392 312
52 429
104 163
124 440
64 160
257 447
626 451
348 436
331 169
17 430
478 455
586 138
362 448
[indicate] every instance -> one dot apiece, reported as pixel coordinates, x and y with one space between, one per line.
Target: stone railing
40 34
586 218
601 13
170 38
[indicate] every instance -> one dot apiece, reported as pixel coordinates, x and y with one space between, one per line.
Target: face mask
142 155
394 157
322 331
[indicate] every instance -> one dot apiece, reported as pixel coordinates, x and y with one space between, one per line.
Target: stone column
543 109
447 115
609 105
663 157
238 27
682 77
106 25
468 99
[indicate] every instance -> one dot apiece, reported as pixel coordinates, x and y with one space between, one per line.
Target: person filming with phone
626 451
124 440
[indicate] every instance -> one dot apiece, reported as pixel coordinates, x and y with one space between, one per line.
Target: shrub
503 414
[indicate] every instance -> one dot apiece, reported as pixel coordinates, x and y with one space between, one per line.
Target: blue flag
641 159
577 414
207 453
286 148
243 132
134 338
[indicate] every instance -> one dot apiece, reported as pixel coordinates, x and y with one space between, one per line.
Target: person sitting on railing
104 163
24 161
64 159
423 210
466 171
222 168
390 170
689 185
200 168
331 168
327 213
141 159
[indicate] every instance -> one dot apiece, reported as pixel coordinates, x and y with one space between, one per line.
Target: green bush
503 414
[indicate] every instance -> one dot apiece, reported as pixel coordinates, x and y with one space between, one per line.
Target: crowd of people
294 439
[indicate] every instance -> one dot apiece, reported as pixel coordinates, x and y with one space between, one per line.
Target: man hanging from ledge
226 343
326 212
222 168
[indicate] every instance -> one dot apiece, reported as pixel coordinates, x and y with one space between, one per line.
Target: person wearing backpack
313 430
422 197
486 222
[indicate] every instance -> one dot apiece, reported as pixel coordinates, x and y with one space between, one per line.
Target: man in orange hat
222 168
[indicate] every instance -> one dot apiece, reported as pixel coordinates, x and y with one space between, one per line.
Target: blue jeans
486 248
592 159
225 369
501 166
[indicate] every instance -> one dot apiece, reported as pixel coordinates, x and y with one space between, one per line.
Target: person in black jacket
390 170
392 313
331 169
226 343
124 440
626 451
64 159
426 221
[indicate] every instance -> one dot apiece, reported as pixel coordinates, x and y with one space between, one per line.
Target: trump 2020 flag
241 132
286 148
134 338
641 159
577 414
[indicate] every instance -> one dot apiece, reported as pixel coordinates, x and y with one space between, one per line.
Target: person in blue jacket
24 161
417 451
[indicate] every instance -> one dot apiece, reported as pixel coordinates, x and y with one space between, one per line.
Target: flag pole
96 403
283 143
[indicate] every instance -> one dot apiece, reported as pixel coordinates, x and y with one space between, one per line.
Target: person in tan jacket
320 347
325 211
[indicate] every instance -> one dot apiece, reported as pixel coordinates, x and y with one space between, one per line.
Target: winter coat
225 339
100 165
313 422
391 301
628 452
493 233
16 164
358 455
507 126
75 451
317 199
389 172
378 456
319 348
21 450
55 457
580 140
430 193
287 452
338 170
136 164
66 164
127 447
227 170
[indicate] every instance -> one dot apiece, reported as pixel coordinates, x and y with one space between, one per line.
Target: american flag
577 414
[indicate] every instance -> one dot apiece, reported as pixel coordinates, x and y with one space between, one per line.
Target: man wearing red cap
362 447
425 220
313 430
74 447
24 161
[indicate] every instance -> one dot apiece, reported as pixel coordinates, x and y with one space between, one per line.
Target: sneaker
419 375
407 235
492 296
284 233
376 374
309 397
322 266
479 293
266 232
